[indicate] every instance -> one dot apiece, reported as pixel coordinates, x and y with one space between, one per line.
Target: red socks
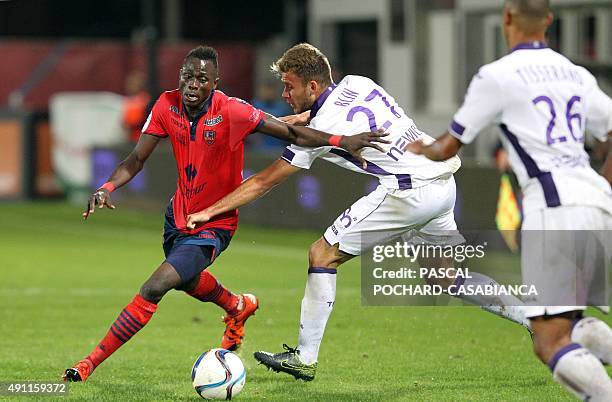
138 313
133 317
209 289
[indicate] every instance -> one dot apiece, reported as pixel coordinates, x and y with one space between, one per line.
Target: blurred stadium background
77 78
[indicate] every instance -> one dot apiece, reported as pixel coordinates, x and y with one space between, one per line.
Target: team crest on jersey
174 109
209 136
213 121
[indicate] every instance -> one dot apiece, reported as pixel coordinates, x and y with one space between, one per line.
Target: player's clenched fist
416 147
98 199
197 219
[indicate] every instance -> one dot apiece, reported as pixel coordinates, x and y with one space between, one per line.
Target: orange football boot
79 372
234 324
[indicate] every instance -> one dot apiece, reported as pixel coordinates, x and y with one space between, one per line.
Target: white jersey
543 104
357 104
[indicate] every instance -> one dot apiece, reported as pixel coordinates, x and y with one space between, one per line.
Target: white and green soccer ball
218 374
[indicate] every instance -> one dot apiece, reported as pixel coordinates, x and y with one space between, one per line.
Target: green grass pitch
63 281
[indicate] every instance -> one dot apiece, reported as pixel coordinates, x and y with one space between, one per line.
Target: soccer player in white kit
415 194
544 104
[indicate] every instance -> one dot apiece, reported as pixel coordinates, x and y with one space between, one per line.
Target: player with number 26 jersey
543 104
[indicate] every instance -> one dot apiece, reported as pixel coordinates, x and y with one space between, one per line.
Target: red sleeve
243 120
154 124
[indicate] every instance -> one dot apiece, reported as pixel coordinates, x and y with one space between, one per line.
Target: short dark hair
307 62
203 53
532 9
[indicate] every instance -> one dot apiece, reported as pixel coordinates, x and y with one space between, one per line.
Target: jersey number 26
569 117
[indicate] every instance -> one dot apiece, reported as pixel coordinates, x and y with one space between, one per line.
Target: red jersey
209 152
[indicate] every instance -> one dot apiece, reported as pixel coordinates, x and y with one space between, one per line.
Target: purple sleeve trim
457 128
288 155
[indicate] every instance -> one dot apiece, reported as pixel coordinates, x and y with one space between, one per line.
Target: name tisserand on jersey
539 73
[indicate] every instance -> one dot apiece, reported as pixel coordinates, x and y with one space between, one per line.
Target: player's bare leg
164 279
506 306
572 365
317 305
131 320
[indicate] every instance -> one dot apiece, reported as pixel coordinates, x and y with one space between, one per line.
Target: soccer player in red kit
207 129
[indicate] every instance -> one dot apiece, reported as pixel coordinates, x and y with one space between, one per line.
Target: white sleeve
598 113
482 106
302 157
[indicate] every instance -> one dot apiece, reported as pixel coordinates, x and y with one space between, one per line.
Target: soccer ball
218 374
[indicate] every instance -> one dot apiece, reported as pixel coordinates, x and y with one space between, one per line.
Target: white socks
506 306
317 305
596 336
320 295
581 373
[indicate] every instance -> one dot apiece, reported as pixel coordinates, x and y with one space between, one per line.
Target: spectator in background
135 105
268 101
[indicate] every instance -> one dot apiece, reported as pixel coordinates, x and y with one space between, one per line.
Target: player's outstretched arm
441 149
250 190
123 173
308 137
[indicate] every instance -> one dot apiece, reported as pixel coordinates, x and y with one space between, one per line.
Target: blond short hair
305 61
